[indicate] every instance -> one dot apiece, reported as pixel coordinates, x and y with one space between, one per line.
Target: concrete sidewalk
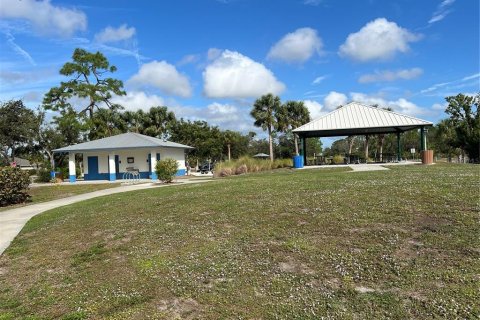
12 221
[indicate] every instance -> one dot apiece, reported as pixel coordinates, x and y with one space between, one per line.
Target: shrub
43 176
13 186
166 169
337 159
246 165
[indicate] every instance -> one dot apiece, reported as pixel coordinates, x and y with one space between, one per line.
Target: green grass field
57 191
329 243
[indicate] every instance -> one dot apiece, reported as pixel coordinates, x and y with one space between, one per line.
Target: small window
130 159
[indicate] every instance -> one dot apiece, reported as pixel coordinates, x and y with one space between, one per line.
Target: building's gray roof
355 119
128 140
22 162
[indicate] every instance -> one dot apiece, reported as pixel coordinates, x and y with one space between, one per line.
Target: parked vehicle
206 167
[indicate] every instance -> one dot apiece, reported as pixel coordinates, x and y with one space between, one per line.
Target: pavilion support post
399 149
366 147
71 167
423 139
304 150
112 175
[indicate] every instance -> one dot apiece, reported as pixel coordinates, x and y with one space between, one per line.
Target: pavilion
355 119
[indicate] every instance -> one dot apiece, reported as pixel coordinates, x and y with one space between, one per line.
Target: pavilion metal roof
128 140
358 119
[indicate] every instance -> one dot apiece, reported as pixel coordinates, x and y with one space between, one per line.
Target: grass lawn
57 191
306 244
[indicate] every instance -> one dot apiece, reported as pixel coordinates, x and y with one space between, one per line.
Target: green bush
338 159
43 176
13 186
166 169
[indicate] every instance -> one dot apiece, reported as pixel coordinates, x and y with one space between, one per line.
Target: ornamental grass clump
13 186
166 169
245 165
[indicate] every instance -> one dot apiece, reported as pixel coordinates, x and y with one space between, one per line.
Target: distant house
24 164
109 158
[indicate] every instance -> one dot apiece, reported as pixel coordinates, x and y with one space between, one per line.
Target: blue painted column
111 167
71 167
153 162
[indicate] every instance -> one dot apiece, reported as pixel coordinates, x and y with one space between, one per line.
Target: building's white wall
140 158
174 153
102 161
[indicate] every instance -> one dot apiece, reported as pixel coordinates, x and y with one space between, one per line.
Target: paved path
12 221
363 166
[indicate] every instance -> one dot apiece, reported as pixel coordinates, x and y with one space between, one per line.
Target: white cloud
135 100
163 76
377 40
317 80
298 46
441 12
45 17
312 2
314 107
189 58
110 34
455 84
388 76
213 53
400 105
334 99
233 75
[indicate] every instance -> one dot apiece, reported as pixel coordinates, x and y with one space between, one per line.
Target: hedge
13 186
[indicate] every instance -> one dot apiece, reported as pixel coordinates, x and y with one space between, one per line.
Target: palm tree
290 116
158 121
263 112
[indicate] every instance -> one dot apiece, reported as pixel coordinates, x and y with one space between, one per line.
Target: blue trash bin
298 162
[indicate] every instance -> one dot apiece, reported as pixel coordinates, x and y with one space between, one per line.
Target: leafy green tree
134 120
105 123
290 116
157 122
207 140
87 83
18 127
465 117
263 112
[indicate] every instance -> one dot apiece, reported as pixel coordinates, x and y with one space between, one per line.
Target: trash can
427 156
298 162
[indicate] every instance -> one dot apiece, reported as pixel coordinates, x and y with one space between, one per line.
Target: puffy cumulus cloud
163 76
45 17
334 99
110 34
400 105
233 75
135 100
377 40
298 46
389 76
314 107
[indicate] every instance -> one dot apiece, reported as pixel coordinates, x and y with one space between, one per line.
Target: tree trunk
270 142
296 144
351 140
228 146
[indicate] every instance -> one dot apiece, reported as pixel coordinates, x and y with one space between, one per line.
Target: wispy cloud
389 76
16 48
456 84
312 2
442 11
319 79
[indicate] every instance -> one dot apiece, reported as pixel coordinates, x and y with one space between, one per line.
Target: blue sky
210 60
